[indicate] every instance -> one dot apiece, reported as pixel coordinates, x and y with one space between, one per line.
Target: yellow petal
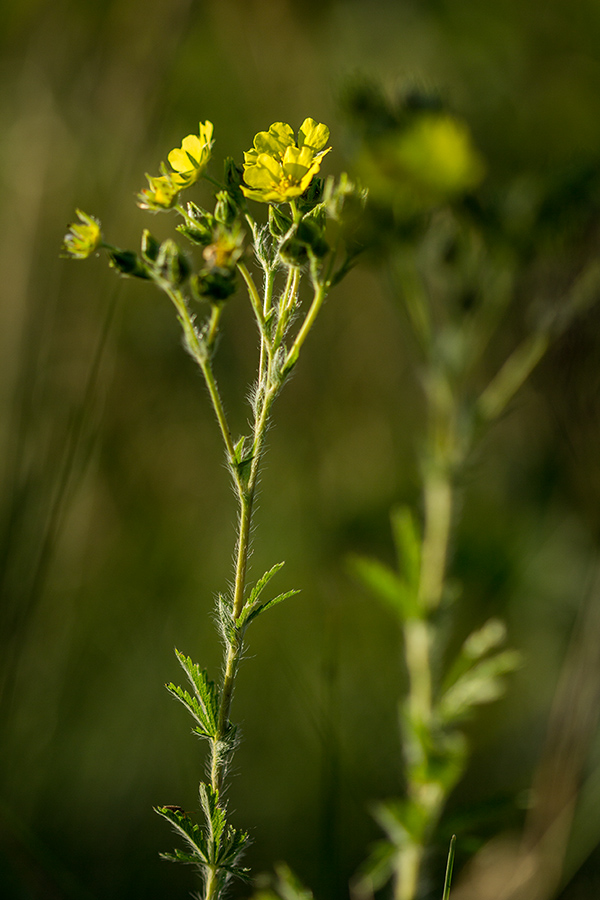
313 135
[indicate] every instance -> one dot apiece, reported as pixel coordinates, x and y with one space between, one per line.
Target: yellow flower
277 169
81 240
160 194
190 160
429 162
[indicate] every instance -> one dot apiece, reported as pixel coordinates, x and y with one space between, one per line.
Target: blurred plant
306 240
457 258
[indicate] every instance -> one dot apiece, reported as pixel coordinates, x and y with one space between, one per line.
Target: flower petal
313 135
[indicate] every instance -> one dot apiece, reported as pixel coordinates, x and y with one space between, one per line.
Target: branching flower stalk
306 233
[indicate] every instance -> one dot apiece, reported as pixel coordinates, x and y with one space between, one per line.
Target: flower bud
293 252
215 285
128 263
225 209
171 263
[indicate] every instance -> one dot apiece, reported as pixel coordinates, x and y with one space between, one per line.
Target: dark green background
117 519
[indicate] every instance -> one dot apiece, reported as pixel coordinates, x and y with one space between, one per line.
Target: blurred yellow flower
160 194
81 240
190 160
277 169
430 161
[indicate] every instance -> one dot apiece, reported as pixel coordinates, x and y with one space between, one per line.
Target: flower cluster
277 169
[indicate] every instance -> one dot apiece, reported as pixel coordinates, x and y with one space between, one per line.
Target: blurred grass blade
449 867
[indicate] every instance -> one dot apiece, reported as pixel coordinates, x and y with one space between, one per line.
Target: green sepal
150 247
279 222
233 177
311 196
200 229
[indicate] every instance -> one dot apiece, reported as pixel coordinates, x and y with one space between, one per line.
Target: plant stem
319 296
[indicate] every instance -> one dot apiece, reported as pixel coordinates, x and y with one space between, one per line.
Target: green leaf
253 608
206 725
262 607
408 546
206 709
189 831
481 684
385 584
263 582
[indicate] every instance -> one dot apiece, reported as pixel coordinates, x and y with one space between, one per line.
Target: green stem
319 297
254 296
513 374
199 350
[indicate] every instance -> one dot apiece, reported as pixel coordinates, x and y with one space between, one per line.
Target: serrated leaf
252 608
262 607
206 726
180 856
188 830
386 585
481 684
408 546
207 708
263 582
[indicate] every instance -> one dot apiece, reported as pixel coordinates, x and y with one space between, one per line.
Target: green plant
456 260
305 237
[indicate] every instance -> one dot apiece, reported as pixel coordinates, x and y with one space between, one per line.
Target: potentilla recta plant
307 236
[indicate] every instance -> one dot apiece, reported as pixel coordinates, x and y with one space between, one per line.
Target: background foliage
117 517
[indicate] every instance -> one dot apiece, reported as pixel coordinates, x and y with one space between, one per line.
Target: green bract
81 240
277 169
